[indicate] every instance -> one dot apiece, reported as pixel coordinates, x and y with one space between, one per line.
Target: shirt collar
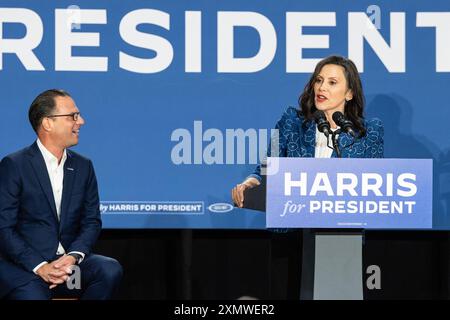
48 156
332 130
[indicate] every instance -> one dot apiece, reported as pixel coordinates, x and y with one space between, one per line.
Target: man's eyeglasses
74 115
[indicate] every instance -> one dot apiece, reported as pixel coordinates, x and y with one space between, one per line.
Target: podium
334 201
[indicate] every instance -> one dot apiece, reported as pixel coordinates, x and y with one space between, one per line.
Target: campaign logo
393 192
220 207
152 207
350 193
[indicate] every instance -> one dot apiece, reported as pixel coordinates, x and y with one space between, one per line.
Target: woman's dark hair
44 106
354 109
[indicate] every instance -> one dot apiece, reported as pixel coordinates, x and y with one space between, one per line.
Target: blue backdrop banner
180 97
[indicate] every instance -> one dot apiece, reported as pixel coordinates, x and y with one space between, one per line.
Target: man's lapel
70 172
40 169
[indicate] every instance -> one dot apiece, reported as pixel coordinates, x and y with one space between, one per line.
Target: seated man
49 212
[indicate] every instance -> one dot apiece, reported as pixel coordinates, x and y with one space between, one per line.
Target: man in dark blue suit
49 211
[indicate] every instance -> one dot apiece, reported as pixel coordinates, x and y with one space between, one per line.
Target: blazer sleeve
12 245
91 223
277 146
375 139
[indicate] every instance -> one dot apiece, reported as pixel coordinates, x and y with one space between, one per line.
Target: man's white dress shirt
56 175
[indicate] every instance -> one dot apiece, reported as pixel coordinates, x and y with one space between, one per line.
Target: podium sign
349 193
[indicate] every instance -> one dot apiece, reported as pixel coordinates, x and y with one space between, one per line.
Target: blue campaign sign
179 97
349 193
215 215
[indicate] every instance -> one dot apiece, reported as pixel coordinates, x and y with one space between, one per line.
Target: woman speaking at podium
329 122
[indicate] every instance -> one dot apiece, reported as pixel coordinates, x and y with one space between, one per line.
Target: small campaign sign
349 193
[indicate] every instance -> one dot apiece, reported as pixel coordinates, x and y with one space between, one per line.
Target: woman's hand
237 193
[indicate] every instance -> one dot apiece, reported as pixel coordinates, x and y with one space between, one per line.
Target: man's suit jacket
297 138
29 227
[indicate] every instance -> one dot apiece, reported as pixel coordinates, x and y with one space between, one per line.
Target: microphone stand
335 142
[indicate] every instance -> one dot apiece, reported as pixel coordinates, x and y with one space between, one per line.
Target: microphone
344 123
322 123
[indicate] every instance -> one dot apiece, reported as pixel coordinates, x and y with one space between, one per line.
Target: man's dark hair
44 106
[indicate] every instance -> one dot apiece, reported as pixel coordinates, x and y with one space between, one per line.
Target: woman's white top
322 150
